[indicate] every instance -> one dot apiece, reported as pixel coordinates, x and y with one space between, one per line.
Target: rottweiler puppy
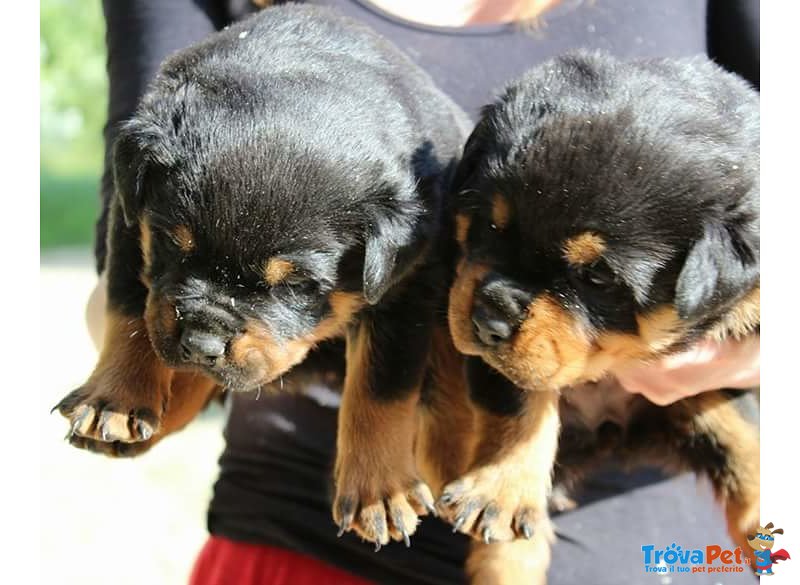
279 185
607 213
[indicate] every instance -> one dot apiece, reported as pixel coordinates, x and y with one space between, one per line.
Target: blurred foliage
73 111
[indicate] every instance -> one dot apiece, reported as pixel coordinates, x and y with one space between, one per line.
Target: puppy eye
300 283
293 280
598 276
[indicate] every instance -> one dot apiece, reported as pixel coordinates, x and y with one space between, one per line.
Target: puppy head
259 237
606 212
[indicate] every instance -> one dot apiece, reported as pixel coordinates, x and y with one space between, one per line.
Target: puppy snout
498 309
202 347
490 329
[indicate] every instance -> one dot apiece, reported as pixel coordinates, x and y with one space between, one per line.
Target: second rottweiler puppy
278 186
608 213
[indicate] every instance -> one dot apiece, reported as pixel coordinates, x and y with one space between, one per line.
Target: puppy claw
421 499
341 531
527 532
458 523
380 519
144 430
487 536
83 413
344 511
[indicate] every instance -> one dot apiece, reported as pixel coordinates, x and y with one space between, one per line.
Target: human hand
708 365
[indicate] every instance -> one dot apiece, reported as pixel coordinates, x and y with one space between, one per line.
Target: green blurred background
73 111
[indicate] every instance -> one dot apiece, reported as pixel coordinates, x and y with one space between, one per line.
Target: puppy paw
387 509
560 500
495 506
108 418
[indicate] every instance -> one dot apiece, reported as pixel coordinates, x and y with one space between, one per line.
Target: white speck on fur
281 422
323 395
243 34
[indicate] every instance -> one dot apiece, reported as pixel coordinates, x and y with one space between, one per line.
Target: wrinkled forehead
226 240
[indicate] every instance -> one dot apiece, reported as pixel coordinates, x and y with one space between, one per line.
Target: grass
73 110
69 206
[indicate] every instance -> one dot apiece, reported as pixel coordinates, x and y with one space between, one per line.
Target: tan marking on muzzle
463 221
550 348
459 311
161 319
257 348
146 245
658 330
501 211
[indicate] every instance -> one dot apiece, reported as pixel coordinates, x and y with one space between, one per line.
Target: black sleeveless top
274 484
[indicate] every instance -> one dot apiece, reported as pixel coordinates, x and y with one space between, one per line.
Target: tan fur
463 222
160 315
658 330
128 377
375 444
127 358
511 472
551 350
256 347
276 269
189 393
446 437
459 309
741 495
184 239
501 211
146 243
522 562
584 248
742 319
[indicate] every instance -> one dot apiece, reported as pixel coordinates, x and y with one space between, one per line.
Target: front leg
378 491
126 394
504 495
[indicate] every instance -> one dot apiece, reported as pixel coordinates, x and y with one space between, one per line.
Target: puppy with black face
279 185
607 213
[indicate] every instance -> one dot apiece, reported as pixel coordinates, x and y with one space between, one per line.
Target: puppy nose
201 347
499 307
490 329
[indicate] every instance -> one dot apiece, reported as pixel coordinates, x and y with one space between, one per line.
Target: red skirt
226 562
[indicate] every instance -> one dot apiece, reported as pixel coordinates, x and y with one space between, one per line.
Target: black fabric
274 485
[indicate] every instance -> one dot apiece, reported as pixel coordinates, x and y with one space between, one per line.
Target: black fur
660 157
297 134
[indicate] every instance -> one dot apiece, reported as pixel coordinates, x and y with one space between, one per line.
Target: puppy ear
474 151
394 240
722 265
379 260
139 152
387 256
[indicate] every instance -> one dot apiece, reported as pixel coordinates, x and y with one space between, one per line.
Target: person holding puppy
270 517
